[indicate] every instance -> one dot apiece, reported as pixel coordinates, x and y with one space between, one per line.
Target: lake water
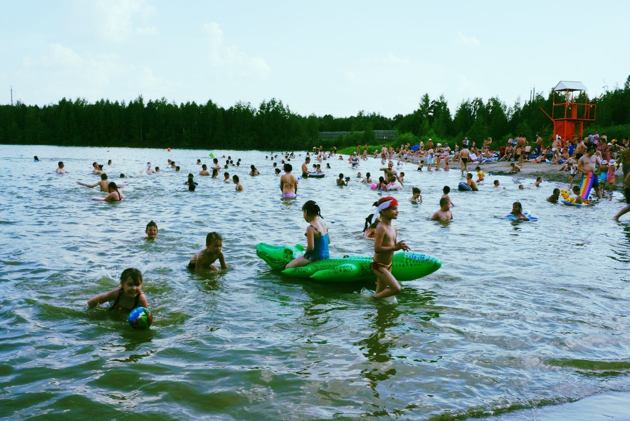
520 317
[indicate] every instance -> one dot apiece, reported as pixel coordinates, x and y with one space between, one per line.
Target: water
521 316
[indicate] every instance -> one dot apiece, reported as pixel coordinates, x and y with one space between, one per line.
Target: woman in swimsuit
113 196
288 183
127 296
317 237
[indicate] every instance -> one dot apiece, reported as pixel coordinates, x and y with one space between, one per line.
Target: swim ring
527 214
316 175
569 200
463 187
406 266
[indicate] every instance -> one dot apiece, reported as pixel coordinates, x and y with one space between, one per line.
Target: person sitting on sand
514 168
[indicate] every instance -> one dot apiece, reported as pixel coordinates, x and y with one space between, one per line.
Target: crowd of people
592 155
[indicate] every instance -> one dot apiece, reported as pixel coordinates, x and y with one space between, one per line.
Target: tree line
273 126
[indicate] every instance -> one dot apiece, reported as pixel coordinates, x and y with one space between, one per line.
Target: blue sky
325 57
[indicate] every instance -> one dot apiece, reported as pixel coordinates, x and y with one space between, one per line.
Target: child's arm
222 261
87 185
102 298
142 301
310 239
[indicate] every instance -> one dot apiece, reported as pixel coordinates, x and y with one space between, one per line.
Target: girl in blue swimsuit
317 237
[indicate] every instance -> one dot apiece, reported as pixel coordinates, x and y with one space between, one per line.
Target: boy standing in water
384 247
204 260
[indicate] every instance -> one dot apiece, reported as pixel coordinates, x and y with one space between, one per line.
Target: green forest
273 126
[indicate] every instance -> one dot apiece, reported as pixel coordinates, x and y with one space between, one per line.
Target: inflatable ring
463 187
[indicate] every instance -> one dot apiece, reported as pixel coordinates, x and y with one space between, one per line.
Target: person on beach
555 196
517 211
307 161
127 296
464 156
151 230
385 244
288 183
60 168
102 184
114 195
514 168
444 213
416 199
317 237
239 186
204 260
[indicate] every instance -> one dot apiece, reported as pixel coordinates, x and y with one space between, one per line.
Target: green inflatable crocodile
406 266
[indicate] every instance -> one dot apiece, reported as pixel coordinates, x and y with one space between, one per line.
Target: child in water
127 296
151 230
517 211
444 214
480 174
204 259
113 196
416 199
239 186
385 245
554 196
369 228
317 238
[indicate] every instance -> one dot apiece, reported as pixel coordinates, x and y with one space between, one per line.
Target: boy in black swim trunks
204 259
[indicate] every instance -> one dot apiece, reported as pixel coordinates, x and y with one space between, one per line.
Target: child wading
384 247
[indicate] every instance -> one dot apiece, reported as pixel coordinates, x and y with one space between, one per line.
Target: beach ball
140 318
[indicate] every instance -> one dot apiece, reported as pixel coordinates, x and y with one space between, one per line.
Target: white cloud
116 18
150 30
467 41
230 59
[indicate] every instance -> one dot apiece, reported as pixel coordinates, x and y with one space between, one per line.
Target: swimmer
369 228
385 245
517 211
177 168
288 183
578 198
127 296
151 230
226 177
60 168
204 259
149 170
215 173
199 162
497 185
35 158
204 170
520 187
446 190
109 162
307 160
341 181
102 184
277 171
367 179
480 174
416 199
239 186
538 181
317 238
113 196
96 169
420 165
470 182
358 175
554 196
253 171
444 214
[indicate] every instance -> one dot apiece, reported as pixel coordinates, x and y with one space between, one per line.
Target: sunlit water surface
520 316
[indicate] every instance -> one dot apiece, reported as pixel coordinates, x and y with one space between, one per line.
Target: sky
327 57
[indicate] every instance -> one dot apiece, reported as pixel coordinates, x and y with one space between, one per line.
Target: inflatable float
569 200
406 266
527 214
316 175
463 187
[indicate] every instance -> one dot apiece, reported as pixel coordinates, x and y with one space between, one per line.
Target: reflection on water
520 315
